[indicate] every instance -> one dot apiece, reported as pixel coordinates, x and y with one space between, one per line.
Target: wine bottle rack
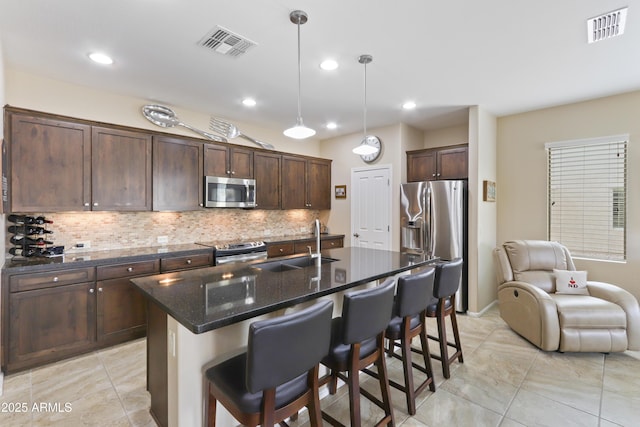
30 237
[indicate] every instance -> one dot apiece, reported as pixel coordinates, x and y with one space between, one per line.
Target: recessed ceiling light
409 105
332 125
329 65
249 102
100 58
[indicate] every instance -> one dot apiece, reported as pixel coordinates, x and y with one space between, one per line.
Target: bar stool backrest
415 293
448 277
366 313
285 347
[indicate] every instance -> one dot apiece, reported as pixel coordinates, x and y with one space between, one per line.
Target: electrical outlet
172 343
86 244
163 240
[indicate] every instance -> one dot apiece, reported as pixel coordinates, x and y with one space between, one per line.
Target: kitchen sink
291 263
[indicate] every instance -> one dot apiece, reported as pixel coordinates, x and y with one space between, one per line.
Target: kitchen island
197 318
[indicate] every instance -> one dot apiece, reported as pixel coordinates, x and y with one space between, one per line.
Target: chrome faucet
317 254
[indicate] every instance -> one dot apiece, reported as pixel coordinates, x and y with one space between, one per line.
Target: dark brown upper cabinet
266 168
177 174
306 183
233 162
120 170
438 163
50 163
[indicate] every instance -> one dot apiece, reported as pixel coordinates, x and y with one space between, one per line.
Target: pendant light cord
299 76
365 99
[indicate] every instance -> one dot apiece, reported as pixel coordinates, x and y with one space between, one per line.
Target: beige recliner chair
604 319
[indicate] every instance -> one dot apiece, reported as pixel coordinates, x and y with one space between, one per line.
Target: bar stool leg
456 336
384 384
354 387
407 368
426 355
442 335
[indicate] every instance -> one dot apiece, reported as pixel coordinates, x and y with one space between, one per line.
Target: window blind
587 196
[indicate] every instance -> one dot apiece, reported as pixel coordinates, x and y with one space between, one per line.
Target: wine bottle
22 252
25 219
28 229
41 220
19 239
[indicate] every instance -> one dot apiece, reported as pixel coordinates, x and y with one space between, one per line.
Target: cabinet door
48 324
421 166
216 159
177 174
294 183
319 184
50 163
120 170
241 160
266 168
453 163
121 311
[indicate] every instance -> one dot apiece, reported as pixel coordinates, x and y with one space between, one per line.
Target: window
587 196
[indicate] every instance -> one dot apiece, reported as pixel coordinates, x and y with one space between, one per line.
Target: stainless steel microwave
222 192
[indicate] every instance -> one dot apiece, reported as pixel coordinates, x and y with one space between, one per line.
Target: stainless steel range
240 252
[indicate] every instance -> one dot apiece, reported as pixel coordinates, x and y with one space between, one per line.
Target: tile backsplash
116 230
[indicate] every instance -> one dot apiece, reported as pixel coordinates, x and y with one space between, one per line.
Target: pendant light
299 131
366 148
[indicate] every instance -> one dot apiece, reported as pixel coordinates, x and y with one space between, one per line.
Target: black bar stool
278 375
446 284
415 293
357 341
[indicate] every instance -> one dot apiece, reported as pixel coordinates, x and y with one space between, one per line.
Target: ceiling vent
226 42
607 25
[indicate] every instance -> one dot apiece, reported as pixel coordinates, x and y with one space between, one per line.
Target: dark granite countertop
90 259
274 239
210 298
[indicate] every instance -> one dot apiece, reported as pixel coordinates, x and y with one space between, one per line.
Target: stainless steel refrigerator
433 220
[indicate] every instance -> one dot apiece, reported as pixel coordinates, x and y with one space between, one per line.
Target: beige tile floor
504 381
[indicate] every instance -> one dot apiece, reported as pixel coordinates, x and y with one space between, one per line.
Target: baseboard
483 311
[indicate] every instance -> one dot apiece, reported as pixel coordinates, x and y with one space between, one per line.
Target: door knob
356 235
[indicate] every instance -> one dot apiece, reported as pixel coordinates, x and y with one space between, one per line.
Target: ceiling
507 56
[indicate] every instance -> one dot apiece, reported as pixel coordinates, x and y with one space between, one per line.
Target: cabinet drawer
280 249
302 246
186 262
331 243
26 282
117 271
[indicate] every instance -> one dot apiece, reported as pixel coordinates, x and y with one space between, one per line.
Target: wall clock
375 142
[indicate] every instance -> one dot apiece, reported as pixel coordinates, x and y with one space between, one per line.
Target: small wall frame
341 191
488 191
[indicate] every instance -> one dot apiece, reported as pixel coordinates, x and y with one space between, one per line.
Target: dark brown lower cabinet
51 323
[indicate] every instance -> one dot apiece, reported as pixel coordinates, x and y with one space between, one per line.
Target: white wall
482 215
52 96
452 135
522 168
2 103
394 140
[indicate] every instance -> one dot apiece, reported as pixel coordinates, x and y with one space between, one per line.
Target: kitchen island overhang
196 316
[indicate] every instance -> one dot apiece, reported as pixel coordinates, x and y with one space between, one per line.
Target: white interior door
371 207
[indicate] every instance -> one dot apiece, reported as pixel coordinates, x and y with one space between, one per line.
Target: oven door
221 192
221 259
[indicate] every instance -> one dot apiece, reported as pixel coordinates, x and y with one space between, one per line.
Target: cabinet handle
130 269
433 174
189 261
86 204
233 172
95 203
438 174
91 290
228 172
55 279
281 250
99 289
